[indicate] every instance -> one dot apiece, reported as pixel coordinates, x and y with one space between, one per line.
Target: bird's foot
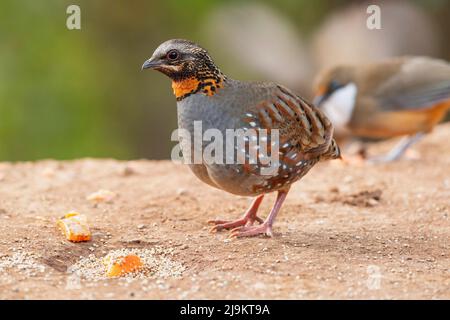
242 222
251 231
399 150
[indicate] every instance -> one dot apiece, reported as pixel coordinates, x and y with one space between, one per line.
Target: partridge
404 96
205 94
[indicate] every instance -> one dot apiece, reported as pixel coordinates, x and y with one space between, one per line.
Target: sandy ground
367 231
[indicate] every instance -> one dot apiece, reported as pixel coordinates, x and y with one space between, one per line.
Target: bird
204 93
400 96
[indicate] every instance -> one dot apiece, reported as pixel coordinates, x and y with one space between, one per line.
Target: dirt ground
351 232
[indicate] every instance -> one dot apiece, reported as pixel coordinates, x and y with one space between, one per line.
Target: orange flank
397 123
116 267
439 111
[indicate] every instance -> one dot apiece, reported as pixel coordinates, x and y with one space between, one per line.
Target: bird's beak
151 63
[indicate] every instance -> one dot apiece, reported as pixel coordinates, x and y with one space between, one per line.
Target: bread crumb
75 227
156 263
101 195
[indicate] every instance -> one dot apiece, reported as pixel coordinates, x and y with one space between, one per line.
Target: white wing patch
339 106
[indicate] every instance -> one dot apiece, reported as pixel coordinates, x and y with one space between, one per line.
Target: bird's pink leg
248 218
266 226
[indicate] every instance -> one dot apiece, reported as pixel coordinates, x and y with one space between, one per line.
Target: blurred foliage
68 94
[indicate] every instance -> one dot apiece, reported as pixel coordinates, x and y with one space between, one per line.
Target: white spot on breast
339 106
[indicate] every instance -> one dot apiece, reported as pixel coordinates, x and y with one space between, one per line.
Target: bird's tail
333 152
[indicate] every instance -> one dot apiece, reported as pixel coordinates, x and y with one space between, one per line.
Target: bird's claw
251 231
223 224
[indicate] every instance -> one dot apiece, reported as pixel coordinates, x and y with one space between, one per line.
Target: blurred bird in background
404 96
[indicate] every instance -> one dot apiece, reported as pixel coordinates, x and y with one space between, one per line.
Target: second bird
204 94
404 96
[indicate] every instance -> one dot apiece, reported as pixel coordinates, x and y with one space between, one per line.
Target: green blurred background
80 93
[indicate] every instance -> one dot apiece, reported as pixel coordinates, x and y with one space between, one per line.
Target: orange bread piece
75 227
116 267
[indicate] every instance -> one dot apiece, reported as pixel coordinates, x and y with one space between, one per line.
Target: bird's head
331 81
189 66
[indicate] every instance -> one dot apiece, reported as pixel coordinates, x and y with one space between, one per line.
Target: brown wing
305 135
302 127
417 98
419 84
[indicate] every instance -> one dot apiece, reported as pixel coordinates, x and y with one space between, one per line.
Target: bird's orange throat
185 87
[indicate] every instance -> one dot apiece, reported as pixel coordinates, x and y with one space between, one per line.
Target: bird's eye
334 85
173 55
